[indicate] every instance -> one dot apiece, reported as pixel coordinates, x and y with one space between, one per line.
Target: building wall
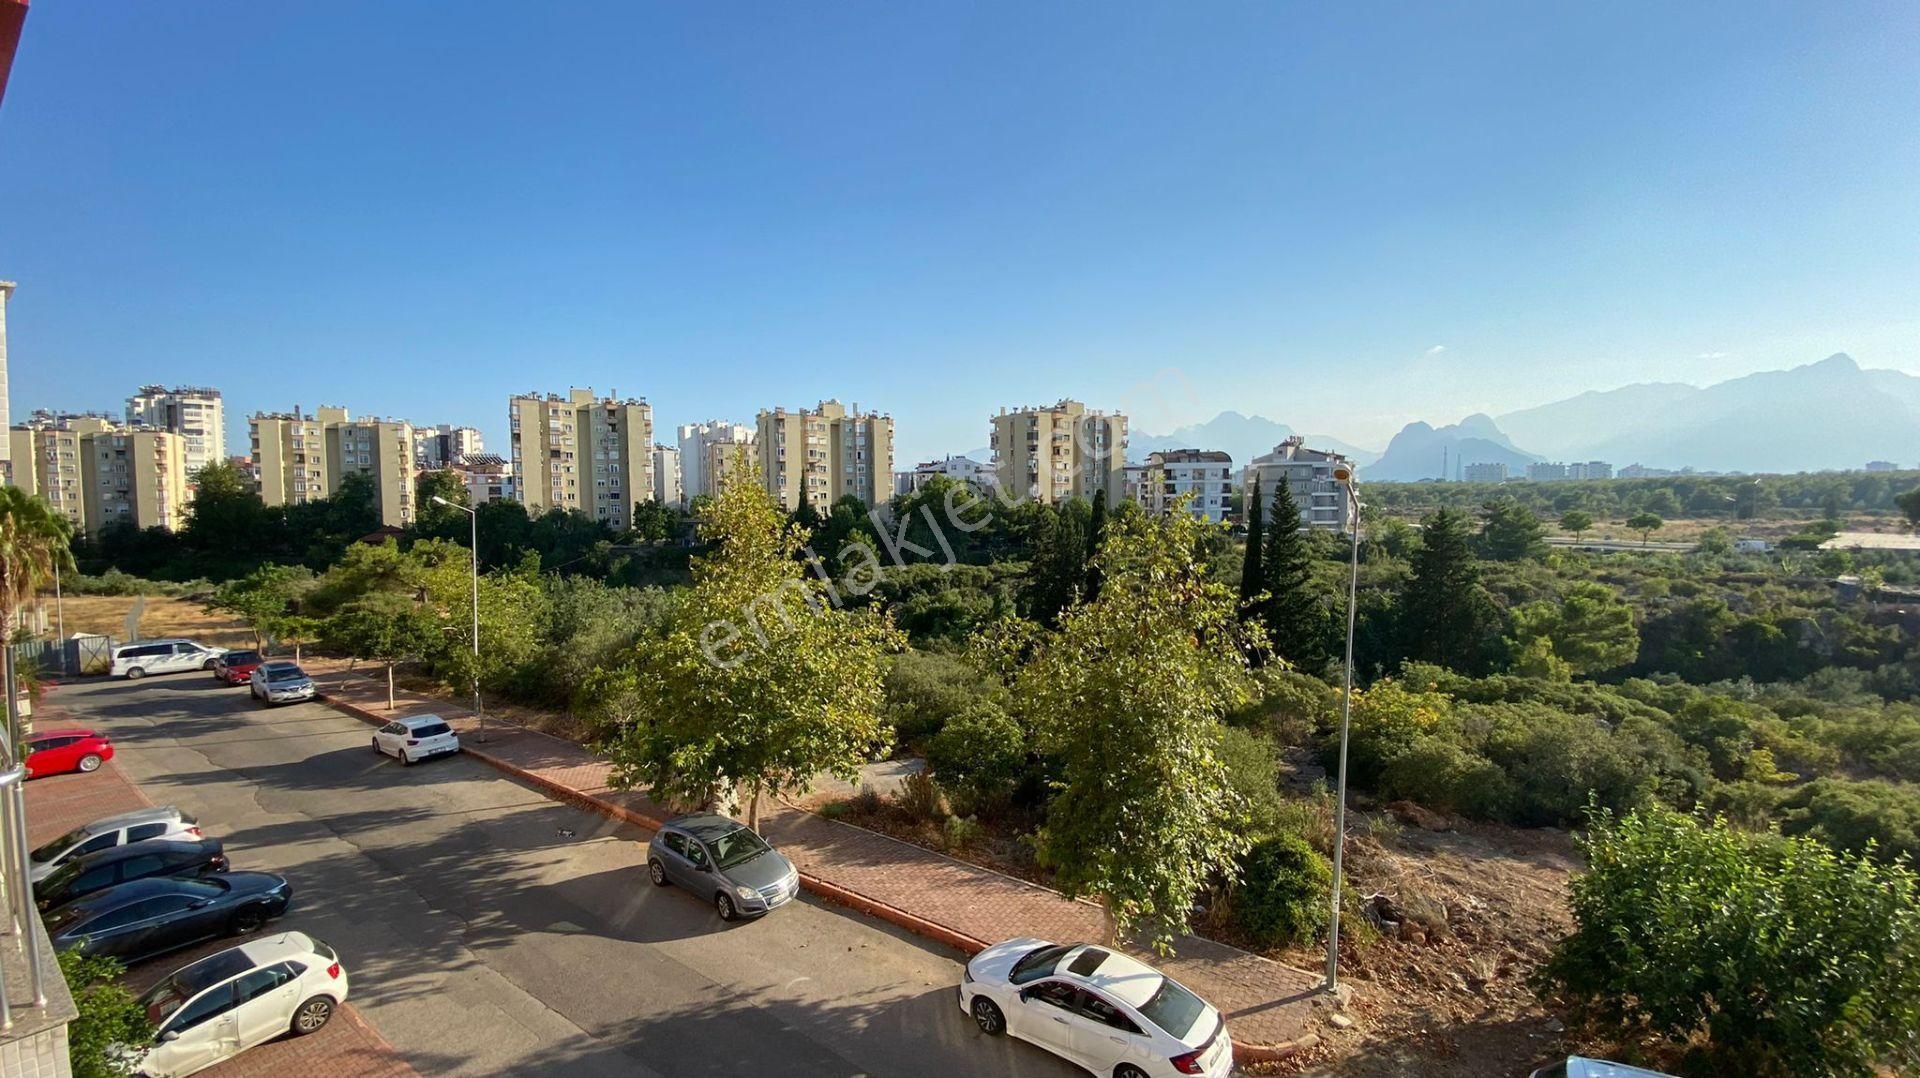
6 420
1308 474
383 451
696 440
824 454
443 445
290 459
1206 477
666 476
1061 452
582 453
48 462
196 413
134 476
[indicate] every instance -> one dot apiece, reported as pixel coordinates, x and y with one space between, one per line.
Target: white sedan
1096 1008
228 1002
416 738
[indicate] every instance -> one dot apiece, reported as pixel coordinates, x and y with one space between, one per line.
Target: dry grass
160 616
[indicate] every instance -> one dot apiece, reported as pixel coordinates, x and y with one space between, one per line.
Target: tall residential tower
582 453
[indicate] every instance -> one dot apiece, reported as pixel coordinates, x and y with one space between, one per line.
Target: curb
834 893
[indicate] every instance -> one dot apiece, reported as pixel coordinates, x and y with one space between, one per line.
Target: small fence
72 656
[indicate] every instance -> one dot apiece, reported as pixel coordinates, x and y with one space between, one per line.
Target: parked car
56 752
110 831
162 657
231 1000
714 856
152 916
1582 1067
416 737
1096 1008
82 876
280 682
236 667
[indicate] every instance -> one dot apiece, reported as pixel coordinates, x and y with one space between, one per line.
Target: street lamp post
1344 476
473 560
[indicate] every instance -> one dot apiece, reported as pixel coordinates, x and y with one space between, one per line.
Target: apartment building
666 476
702 444
47 452
964 469
1205 476
1489 471
6 422
825 454
442 446
195 413
1060 452
289 451
1308 474
579 452
488 476
133 476
382 450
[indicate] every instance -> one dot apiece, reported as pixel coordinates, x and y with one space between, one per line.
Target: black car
151 916
83 876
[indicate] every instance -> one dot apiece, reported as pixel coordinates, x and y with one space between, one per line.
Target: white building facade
1308 474
705 450
1205 476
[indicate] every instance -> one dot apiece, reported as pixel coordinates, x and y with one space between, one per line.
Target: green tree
227 521
1128 697
1057 578
1096 533
264 598
383 627
1577 521
432 518
1253 577
1752 501
756 680
1646 524
1663 503
1295 621
1511 532
110 1017
653 522
1769 955
1590 628
1445 615
511 611
1909 504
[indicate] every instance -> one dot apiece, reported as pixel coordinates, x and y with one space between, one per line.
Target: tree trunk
296 651
753 806
389 686
1109 936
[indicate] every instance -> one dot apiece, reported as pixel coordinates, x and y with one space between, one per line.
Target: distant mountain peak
1839 361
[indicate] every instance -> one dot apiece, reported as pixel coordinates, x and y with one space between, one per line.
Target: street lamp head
441 500
1342 473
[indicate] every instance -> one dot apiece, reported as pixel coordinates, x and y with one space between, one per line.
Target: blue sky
1344 217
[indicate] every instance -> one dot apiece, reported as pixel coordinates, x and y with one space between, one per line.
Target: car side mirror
170 1035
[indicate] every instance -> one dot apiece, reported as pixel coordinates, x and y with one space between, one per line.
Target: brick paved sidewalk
964 905
348 1045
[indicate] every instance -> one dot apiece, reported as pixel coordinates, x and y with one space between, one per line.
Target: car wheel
723 903
988 1017
1128 1070
134 673
657 872
247 920
311 1016
406 758
90 762
208 665
376 746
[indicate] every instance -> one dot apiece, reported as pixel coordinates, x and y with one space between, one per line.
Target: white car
280 682
162 657
416 738
1095 1008
163 822
230 1001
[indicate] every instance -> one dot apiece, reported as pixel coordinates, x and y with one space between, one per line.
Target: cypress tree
1253 579
1296 621
1096 529
1446 617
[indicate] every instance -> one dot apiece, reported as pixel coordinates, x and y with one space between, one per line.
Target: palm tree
33 546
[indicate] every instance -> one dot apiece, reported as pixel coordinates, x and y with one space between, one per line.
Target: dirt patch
159 616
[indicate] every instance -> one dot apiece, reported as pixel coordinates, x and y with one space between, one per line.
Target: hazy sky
1340 216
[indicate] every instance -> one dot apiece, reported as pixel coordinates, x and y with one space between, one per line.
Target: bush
1849 815
980 753
1770 955
109 1016
1387 720
927 688
1444 776
1253 770
1283 892
1292 706
921 798
961 832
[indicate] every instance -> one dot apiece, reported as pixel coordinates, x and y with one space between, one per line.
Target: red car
236 667
56 752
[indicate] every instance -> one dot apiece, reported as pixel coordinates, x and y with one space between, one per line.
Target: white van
162 657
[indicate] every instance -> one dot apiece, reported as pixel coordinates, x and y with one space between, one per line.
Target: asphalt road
489 930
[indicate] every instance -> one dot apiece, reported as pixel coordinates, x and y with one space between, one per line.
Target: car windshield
432 729
1037 963
283 673
52 849
1173 1009
737 847
64 917
241 658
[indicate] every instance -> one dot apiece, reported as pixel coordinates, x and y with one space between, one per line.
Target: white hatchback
230 1001
416 738
1097 1008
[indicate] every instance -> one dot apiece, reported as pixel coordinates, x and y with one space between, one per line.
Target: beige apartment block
133 476
823 455
579 452
47 456
382 450
289 453
195 413
1309 475
1061 452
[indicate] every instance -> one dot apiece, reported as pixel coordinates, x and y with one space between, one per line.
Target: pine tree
1096 530
1296 622
1059 570
1253 579
1446 617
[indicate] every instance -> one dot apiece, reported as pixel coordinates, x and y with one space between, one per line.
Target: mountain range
1827 415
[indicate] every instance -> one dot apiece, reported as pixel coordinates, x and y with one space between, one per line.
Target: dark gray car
724 862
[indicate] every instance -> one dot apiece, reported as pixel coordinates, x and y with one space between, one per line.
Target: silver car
723 861
280 682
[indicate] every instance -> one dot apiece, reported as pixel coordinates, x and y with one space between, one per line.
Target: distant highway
1610 546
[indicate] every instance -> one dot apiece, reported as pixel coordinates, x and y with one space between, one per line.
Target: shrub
1387 720
961 832
1444 776
1253 770
920 796
1292 706
109 1016
1283 892
980 753
1849 815
926 688
1771 955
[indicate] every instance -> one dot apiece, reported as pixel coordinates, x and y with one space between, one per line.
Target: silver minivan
162 657
724 862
